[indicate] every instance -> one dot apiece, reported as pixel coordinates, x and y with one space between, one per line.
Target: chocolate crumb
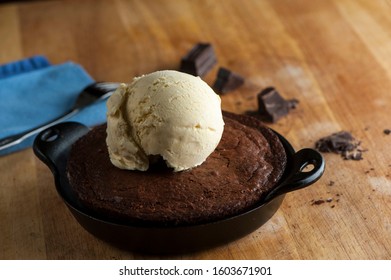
328 200
387 131
331 183
272 106
369 170
318 202
342 143
227 80
353 155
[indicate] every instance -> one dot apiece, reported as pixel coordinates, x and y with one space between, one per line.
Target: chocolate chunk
199 61
337 142
272 106
342 143
387 131
227 80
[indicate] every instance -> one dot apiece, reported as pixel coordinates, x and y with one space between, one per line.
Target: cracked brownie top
248 162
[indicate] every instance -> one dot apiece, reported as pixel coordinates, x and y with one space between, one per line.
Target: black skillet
52 146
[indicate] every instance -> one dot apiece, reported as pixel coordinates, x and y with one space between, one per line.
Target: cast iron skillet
52 146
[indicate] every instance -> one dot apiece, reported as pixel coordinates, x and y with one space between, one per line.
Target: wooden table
334 56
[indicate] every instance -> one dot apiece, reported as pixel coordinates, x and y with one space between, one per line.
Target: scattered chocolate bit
387 131
328 200
331 183
272 106
318 202
369 171
342 143
353 155
292 103
199 61
227 80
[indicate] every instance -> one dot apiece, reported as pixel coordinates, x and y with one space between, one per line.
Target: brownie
246 164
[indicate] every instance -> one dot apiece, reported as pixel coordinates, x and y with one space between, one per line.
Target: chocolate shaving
342 143
227 80
199 61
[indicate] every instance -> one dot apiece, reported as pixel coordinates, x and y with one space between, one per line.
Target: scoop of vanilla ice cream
167 113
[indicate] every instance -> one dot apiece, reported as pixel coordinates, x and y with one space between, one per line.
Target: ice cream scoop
166 113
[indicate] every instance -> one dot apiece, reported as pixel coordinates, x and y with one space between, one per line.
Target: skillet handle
52 145
299 178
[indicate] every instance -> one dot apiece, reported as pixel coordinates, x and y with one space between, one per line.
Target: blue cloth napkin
23 66
33 92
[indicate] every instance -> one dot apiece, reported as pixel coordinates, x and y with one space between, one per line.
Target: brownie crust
246 164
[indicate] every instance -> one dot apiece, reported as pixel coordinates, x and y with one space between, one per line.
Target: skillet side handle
300 178
53 144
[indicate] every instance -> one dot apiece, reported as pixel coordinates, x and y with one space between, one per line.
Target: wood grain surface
334 56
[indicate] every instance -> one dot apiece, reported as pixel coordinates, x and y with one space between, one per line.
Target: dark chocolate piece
342 143
272 106
227 80
387 131
199 61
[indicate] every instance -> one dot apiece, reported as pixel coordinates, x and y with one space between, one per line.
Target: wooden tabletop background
334 56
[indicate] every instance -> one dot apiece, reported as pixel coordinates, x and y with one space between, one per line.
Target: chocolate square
199 61
272 106
227 80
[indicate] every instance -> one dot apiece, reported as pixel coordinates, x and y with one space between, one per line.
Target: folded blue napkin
23 66
33 92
